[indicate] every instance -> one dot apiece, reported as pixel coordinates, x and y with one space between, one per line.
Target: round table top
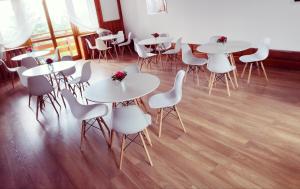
228 47
33 54
109 37
155 41
135 86
45 69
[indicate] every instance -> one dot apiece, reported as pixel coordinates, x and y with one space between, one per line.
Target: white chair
120 39
126 44
145 49
11 71
144 57
85 113
193 63
220 68
130 120
172 54
29 62
83 79
164 46
67 74
258 57
91 47
102 47
23 79
169 100
103 32
132 69
40 87
56 57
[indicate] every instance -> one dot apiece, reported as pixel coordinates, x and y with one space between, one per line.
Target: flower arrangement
29 49
155 35
119 75
49 61
222 39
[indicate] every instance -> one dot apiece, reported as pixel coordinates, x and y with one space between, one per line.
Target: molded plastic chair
91 47
172 54
40 87
84 113
220 67
23 79
127 121
145 49
83 79
29 62
258 57
126 44
144 57
102 47
169 100
132 69
193 63
120 38
11 71
164 46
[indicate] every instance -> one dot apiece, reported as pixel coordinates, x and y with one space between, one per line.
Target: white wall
197 20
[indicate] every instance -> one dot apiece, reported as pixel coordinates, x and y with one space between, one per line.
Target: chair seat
162 48
92 111
170 51
197 61
93 47
250 58
221 70
15 69
148 50
124 44
162 100
105 49
129 120
149 55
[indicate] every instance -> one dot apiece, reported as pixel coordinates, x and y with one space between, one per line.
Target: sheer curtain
17 21
82 13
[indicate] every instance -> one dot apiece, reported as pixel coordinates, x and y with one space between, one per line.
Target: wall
197 20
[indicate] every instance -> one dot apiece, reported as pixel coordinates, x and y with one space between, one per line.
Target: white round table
155 41
46 69
226 48
109 91
34 54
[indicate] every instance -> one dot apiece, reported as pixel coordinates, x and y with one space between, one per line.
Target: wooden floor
249 140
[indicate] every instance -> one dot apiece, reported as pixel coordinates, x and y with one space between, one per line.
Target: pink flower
222 39
119 75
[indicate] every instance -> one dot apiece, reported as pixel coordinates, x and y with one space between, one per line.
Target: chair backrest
187 54
130 36
23 79
4 64
56 55
121 37
135 41
263 48
89 43
86 72
132 69
69 71
103 32
75 106
176 91
178 45
140 51
165 45
39 85
219 64
100 45
29 62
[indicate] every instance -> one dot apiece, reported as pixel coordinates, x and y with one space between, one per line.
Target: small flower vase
123 86
50 67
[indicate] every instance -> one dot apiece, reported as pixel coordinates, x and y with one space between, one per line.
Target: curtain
82 13
17 21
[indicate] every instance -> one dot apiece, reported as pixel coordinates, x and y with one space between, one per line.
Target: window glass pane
67 46
59 18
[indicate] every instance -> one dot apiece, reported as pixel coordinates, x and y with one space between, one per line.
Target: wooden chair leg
122 151
148 136
103 132
197 75
212 83
82 133
157 116
29 99
227 86
264 71
209 81
37 107
160 123
146 150
186 72
231 80
179 117
111 138
244 69
235 78
249 74
53 104
258 70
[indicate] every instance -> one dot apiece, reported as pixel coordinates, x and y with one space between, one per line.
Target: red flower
29 49
119 75
155 35
222 39
49 61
